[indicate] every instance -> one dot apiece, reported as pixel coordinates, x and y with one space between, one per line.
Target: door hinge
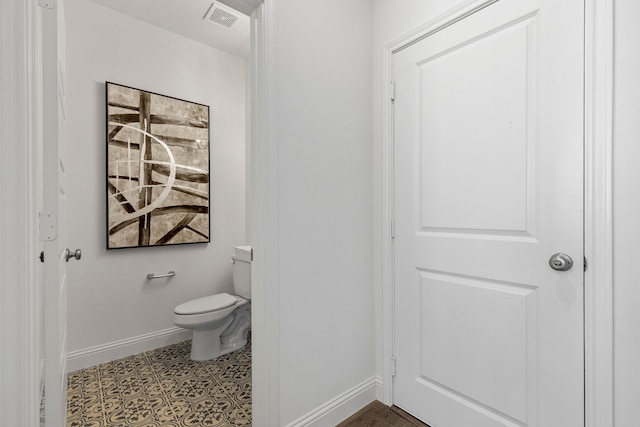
393 91
48 227
393 366
47 4
393 228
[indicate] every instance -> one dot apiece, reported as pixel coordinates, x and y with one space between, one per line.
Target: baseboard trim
108 352
379 387
341 407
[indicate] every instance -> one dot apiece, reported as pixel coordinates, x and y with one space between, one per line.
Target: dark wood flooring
377 414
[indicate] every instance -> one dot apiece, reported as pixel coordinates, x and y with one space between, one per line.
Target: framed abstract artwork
157 169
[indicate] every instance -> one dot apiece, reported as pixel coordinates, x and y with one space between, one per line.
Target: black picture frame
157 169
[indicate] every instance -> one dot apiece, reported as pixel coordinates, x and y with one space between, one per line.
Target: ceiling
187 18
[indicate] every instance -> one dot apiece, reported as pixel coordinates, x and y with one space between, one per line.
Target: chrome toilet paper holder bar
151 276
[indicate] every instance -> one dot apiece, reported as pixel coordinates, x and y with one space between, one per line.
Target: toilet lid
205 304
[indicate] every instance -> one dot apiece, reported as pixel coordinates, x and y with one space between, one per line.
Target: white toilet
220 322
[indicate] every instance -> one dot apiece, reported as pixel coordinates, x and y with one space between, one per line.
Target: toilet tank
242 271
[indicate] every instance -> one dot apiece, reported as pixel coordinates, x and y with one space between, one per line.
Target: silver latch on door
68 254
560 262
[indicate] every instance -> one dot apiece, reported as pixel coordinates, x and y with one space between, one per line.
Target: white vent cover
221 15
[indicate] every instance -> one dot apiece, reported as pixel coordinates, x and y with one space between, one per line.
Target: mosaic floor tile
163 388
84 422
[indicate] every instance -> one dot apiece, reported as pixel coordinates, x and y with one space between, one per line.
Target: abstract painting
157 169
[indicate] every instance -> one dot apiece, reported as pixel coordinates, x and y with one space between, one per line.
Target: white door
53 219
488 152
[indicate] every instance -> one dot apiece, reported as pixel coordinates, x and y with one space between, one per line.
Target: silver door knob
77 255
561 262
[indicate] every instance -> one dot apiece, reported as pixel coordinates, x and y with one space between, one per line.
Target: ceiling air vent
221 15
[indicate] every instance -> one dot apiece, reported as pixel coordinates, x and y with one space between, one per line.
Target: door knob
77 254
560 262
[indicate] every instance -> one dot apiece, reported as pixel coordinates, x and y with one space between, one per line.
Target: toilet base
211 343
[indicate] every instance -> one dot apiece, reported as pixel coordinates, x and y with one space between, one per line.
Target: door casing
20 320
598 187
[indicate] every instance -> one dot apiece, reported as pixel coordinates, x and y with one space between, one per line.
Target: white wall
110 298
626 147
324 201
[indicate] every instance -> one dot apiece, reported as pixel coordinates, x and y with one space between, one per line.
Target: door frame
598 188
20 192
21 369
263 215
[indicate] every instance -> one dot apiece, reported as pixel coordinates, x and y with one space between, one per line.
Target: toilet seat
206 304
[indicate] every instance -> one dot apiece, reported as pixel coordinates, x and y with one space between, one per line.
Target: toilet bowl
220 322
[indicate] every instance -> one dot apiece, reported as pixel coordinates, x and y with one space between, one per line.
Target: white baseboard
341 407
108 352
380 390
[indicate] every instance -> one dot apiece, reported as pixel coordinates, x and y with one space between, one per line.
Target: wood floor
377 414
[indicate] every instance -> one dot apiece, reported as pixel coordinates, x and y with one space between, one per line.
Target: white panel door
488 149
53 219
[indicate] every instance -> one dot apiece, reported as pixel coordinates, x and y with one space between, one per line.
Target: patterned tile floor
163 388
